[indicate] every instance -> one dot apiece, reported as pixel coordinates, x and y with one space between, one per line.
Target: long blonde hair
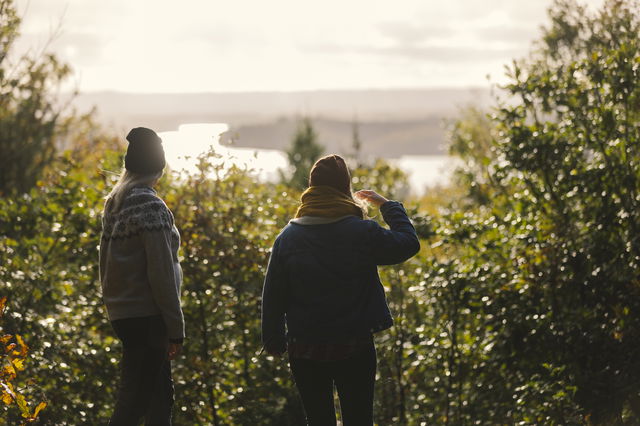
128 180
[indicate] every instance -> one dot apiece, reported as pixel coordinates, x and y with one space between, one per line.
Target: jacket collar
317 220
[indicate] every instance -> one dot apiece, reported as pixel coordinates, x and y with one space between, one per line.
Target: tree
470 139
31 118
302 154
544 254
356 142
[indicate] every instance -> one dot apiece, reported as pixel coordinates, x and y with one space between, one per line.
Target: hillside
391 122
379 138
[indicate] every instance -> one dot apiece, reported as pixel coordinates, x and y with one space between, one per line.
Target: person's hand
371 196
174 350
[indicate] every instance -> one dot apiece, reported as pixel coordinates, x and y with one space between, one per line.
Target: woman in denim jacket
322 282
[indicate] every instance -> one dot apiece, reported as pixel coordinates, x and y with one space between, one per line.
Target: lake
183 146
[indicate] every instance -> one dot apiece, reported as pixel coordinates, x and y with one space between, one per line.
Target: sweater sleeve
165 278
400 242
102 258
273 304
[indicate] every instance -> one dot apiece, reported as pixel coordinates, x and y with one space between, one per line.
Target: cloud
506 34
403 33
438 54
200 45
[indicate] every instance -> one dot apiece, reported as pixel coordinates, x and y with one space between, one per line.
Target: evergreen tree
302 154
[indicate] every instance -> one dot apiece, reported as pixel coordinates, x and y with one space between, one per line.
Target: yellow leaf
3 304
18 363
23 346
7 393
5 339
22 404
39 408
6 398
8 372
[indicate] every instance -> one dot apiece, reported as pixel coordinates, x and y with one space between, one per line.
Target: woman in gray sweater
141 277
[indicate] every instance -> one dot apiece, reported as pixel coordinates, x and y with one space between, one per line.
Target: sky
169 46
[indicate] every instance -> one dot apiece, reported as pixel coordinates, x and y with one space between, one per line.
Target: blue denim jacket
322 279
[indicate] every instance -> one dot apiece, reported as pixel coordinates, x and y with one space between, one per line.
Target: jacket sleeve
397 244
165 278
274 303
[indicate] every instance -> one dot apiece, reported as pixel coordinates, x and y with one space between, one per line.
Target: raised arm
400 242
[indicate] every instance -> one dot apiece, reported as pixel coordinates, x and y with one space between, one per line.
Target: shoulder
289 233
143 197
284 233
145 201
142 210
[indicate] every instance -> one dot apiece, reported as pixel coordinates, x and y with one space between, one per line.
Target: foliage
534 275
569 152
302 154
48 270
13 354
470 139
31 117
228 222
382 176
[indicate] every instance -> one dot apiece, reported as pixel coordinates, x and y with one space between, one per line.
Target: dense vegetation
522 308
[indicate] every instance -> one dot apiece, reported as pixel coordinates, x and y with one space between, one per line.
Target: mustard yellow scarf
326 201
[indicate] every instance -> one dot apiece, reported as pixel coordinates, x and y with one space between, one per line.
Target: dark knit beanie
331 171
144 153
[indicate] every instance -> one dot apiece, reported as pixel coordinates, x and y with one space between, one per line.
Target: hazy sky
246 45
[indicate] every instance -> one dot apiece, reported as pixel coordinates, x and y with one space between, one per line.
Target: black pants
146 387
353 377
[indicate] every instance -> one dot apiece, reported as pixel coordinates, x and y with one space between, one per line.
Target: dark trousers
146 387
354 379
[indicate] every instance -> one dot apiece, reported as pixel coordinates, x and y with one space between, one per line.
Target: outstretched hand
371 196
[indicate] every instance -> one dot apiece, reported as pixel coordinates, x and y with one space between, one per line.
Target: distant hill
391 122
379 138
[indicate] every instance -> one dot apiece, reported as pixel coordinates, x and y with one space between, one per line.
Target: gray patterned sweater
139 268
